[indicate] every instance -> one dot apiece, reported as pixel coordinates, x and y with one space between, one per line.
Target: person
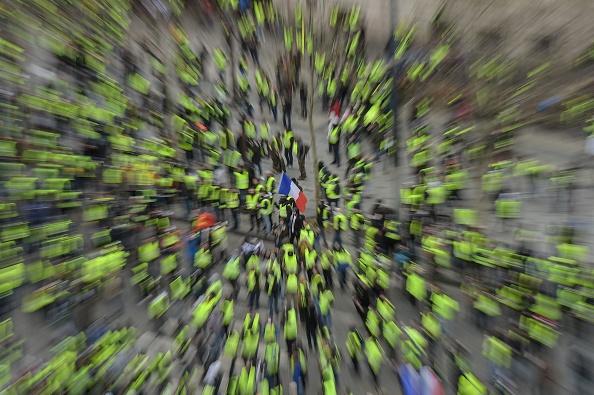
251 202
289 142
295 225
334 143
373 352
354 346
343 263
266 207
312 322
273 279
272 103
242 183
326 299
253 285
257 157
275 149
323 213
262 86
357 222
340 225
302 151
333 190
303 97
280 232
287 106
327 265
292 283
297 373
265 135
232 203
290 328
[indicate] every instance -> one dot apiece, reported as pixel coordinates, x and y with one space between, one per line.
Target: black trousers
289 156
304 107
302 171
336 152
287 118
312 337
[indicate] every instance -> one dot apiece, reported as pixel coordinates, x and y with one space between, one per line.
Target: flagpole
310 112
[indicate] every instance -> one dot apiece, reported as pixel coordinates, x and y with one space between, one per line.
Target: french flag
288 187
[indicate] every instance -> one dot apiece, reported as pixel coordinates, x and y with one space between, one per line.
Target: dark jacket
302 151
298 224
312 320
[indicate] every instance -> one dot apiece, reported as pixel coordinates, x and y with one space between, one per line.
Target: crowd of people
88 217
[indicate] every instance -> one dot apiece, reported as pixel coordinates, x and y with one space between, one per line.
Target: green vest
250 324
334 135
282 210
270 333
468 384
251 201
391 333
202 259
158 306
331 190
353 150
266 206
242 180
228 313
272 357
310 258
303 295
232 200
340 222
292 284
497 352
431 325
326 260
353 343
325 299
252 280
270 184
290 329
372 323
247 381
264 131
288 36
374 354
